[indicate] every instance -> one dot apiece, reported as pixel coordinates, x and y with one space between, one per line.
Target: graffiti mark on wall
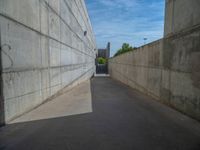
4 50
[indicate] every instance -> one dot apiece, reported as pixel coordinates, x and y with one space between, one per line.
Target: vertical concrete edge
2 114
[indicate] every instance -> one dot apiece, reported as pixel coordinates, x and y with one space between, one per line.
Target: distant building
105 53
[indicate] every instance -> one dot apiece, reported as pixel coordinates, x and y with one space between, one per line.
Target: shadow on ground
122 119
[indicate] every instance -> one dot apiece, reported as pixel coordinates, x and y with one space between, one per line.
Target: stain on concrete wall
140 69
45 50
181 15
168 69
2 115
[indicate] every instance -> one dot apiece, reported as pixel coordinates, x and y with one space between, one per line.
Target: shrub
101 60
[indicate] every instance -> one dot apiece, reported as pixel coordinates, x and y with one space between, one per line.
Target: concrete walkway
75 101
121 119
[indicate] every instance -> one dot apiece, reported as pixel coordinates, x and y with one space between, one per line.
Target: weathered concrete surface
168 69
2 116
122 119
181 15
43 50
140 69
72 102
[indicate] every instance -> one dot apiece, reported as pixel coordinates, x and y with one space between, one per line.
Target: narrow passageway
121 119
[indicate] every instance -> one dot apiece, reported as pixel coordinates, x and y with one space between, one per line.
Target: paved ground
122 119
75 101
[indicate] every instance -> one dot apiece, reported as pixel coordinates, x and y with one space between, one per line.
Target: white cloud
120 21
119 3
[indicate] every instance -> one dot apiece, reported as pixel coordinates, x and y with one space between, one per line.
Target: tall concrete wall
181 15
168 69
43 50
141 69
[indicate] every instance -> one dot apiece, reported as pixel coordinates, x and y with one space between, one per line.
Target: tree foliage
125 48
101 60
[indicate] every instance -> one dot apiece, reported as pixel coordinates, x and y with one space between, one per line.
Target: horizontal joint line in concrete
71 67
48 6
29 93
84 19
183 32
138 49
82 14
67 24
145 89
77 19
85 12
143 66
38 32
11 98
154 67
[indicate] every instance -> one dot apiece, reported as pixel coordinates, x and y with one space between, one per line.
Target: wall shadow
121 119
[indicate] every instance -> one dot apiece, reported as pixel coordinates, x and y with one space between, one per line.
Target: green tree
101 60
125 48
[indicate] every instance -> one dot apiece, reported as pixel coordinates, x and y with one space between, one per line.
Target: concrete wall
168 69
181 15
43 50
141 69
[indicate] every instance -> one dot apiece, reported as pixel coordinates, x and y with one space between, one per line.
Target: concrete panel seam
2 105
146 91
10 98
90 28
47 36
60 92
153 67
70 66
183 32
67 25
76 18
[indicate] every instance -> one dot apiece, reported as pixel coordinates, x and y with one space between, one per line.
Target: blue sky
120 21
